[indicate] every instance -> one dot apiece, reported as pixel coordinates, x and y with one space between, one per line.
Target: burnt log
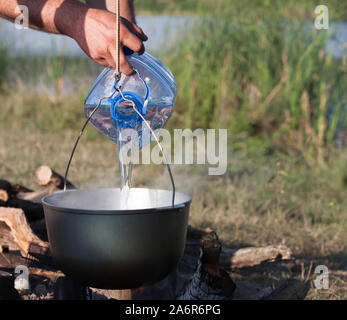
5 191
209 282
8 190
5 186
46 176
16 188
199 274
3 196
36 196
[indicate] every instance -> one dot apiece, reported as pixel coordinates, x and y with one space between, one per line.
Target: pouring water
126 170
151 90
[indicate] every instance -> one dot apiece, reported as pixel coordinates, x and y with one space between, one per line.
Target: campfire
202 273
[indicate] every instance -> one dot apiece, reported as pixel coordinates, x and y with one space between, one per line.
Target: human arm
127 9
93 29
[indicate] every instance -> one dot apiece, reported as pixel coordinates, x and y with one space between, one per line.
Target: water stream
126 168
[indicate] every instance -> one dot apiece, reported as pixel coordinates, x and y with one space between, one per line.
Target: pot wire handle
144 120
117 79
82 130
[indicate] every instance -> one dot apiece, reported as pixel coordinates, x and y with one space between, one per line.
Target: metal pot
100 245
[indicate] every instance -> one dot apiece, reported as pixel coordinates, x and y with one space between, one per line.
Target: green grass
289 8
251 70
263 75
269 200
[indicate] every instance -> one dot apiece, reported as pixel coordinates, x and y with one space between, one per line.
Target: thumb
125 66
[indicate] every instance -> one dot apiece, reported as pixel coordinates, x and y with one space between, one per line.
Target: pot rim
167 209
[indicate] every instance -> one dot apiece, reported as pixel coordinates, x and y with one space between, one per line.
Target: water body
159 29
163 32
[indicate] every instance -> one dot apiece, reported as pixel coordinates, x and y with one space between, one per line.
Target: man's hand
93 29
95 33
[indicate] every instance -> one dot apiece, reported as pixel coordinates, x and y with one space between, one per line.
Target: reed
300 9
264 75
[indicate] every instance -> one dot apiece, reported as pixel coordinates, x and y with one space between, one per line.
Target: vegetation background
257 68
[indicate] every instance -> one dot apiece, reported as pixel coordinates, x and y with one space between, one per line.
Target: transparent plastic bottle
152 87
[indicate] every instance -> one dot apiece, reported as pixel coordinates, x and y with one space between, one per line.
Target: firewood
19 234
197 234
7 241
204 279
33 211
19 188
45 176
211 248
209 281
5 185
12 188
36 196
52 275
8 190
16 196
126 294
5 191
249 257
3 196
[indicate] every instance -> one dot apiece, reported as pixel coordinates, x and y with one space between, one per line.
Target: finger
140 32
125 66
103 62
109 57
135 29
133 42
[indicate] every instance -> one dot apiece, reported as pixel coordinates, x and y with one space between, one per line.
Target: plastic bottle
152 87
